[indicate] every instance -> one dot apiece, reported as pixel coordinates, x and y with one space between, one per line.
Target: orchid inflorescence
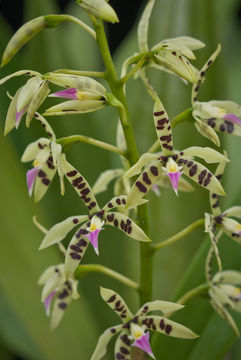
164 168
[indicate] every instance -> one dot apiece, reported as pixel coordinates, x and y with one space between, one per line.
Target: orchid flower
27 99
169 55
45 154
134 330
172 163
222 221
215 115
223 293
85 94
90 225
56 289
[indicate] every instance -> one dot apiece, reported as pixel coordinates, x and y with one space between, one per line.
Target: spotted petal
116 303
136 169
142 30
206 153
51 270
33 149
176 62
115 202
167 327
224 126
201 175
206 130
125 224
38 98
62 301
158 305
80 185
104 179
76 250
210 227
228 276
163 128
233 211
123 346
48 129
143 184
202 73
213 197
60 230
44 178
52 284
218 307
103 341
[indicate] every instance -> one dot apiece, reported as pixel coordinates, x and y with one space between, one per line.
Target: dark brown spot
193 170
162 324
125 340
76 181
230 126
62 305
119 356
124 350
174 53
113 330
110 217
208 179
189 164
75 256
118 201
146 178
168 329
110 205
222 127
154 170
158 113
76 248
141 187
75 221
63 294
85 191
112 298
202 73
41 173
116 223
45 181
209 62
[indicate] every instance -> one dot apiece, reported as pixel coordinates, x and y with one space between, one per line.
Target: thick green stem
196 224
117 88
70 140
84 270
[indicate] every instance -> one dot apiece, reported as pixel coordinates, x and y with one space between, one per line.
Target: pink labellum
144 344
47 302
93 238
232 118
31 177
174 177
70 93
19 116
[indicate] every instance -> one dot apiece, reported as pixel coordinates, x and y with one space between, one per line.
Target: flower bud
100 9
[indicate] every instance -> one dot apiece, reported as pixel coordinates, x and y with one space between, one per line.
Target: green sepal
123 346
19 73
158 305
201 75
167 327
115 202
34 148
60 306
75 107
80 185
76 250
42 183
193 170
206 130
38 98
143 184
233 211
10 122
125 224
104 179
206 153
116 303
103 341
59 231
27 92
142 31
228 276
136 169
163 128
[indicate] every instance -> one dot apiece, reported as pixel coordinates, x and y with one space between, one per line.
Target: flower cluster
134 330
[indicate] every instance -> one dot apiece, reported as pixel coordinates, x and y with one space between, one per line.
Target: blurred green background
24 329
